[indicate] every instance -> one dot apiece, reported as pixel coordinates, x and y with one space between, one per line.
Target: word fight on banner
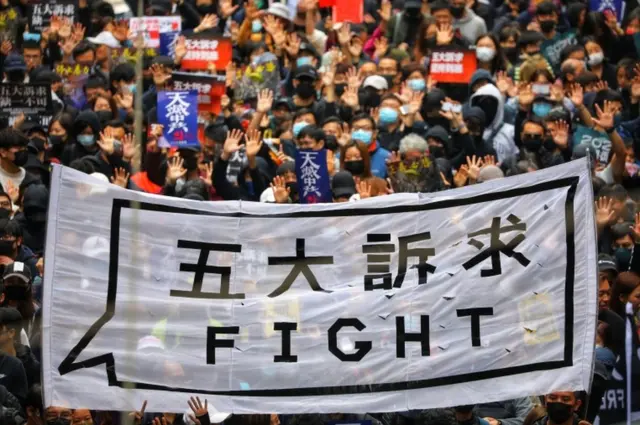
452 66
395 303
152 26
210 88
178 113
205 49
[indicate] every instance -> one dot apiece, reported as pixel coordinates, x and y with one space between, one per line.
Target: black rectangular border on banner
69 364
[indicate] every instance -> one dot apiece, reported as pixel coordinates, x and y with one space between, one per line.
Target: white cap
105 38
268 196
377 82
280 10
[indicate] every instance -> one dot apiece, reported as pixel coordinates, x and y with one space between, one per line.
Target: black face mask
305 90
206 10
436 151
412 13
38 143
389 79
5 213
549 144
293 190
511 53
532 143
457 11
59 421
559 412
340 88
331 143
369 98
547 26
21 158
16 293
7 249
488 104
356 168
56 140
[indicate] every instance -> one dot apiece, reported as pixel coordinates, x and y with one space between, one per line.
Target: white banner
401 302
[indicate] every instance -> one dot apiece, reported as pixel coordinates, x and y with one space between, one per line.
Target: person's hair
569 50
628 64
115 123
546 8
624 284
411 68
364 153
533 120
31 44
413 142
95 81
313 132
439 5
122 72
83 165
82 48
12 320
10 137
11 228
65 120
34 398
25 306
332 119
507 32
364 116
112 104
421 42
301 112
499 62
342 68
538 72
391 96
616 192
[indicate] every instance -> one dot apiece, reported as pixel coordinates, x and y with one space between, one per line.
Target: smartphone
404 110
117 147
543 89
447 106
456 108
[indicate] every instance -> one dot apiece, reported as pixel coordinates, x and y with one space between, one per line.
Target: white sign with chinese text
401 302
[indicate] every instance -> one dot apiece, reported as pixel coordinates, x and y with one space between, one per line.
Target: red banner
348 11
452 66
203 49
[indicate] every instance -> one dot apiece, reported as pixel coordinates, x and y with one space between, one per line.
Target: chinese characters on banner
210 88
152 27
314 183
74 79
130 54
41 12
168 43
452 66
34 100
393 303
617 7
204 49
178 113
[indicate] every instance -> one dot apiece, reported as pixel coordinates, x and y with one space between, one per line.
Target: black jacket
30 363
13 376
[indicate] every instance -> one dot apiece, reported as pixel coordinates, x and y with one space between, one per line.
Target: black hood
85 118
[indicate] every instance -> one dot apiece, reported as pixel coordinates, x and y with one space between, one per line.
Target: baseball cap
17 269
280 10
377 82
14 62
105 38
306 71
606 263
343 185
284 101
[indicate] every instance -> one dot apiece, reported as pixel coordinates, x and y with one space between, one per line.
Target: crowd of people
553 81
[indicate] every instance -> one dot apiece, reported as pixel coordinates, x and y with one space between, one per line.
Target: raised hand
180 50
526 96
121 30
137 416
208 174
12 190
160 77
265 101
227 8
636 228
120 177
350 98
209 21
393 161
474 165
253 143
488 160
560 133
381 45
232 144
175 169
364 189
6 47
293 45
344 34
461 177
197 407
576 94
159 421
107 141
385 11
354 78
605 118
124 100
444 35
504 83
329 76
604 212
280 190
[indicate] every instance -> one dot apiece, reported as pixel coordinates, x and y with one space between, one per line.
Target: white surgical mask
485 54
595 59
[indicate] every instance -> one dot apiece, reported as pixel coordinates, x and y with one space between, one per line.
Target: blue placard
168 43
178 113
314 183
616 6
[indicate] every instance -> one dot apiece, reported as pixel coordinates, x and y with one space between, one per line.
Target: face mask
511 53
369 98
457 11
417 84
532 143
59 421
595 59
547 26
7 249
86 140
56 140
541 109
38 143
297 127
340 88
356 168
132 88
549 144
363 136
21 158
293 190
436 151
305 90
305 60
559 412
389 79
388 116
16 293
206 9
256 26
623 258
485 54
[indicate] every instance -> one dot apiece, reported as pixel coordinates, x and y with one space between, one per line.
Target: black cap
284 101
343 185
606 263
439 133
10 316
17 269
529 37
308 47
307 71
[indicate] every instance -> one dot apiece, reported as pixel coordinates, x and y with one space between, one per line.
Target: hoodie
12 376
30 363
498 133
75 150
33 219
471 26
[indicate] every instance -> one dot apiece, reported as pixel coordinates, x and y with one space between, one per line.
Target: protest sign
452 66
314 183
152 26
9 20
349 11
394 303
33 100
210 88
178 113
617 7
596 140
131 54
41 12
74 79
168 43
206 49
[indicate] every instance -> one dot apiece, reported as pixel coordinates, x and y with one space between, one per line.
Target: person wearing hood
13 247
498 133
13 157
439 142
470 25
431 106
33 218
467 128
86 131
404 25
10 330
